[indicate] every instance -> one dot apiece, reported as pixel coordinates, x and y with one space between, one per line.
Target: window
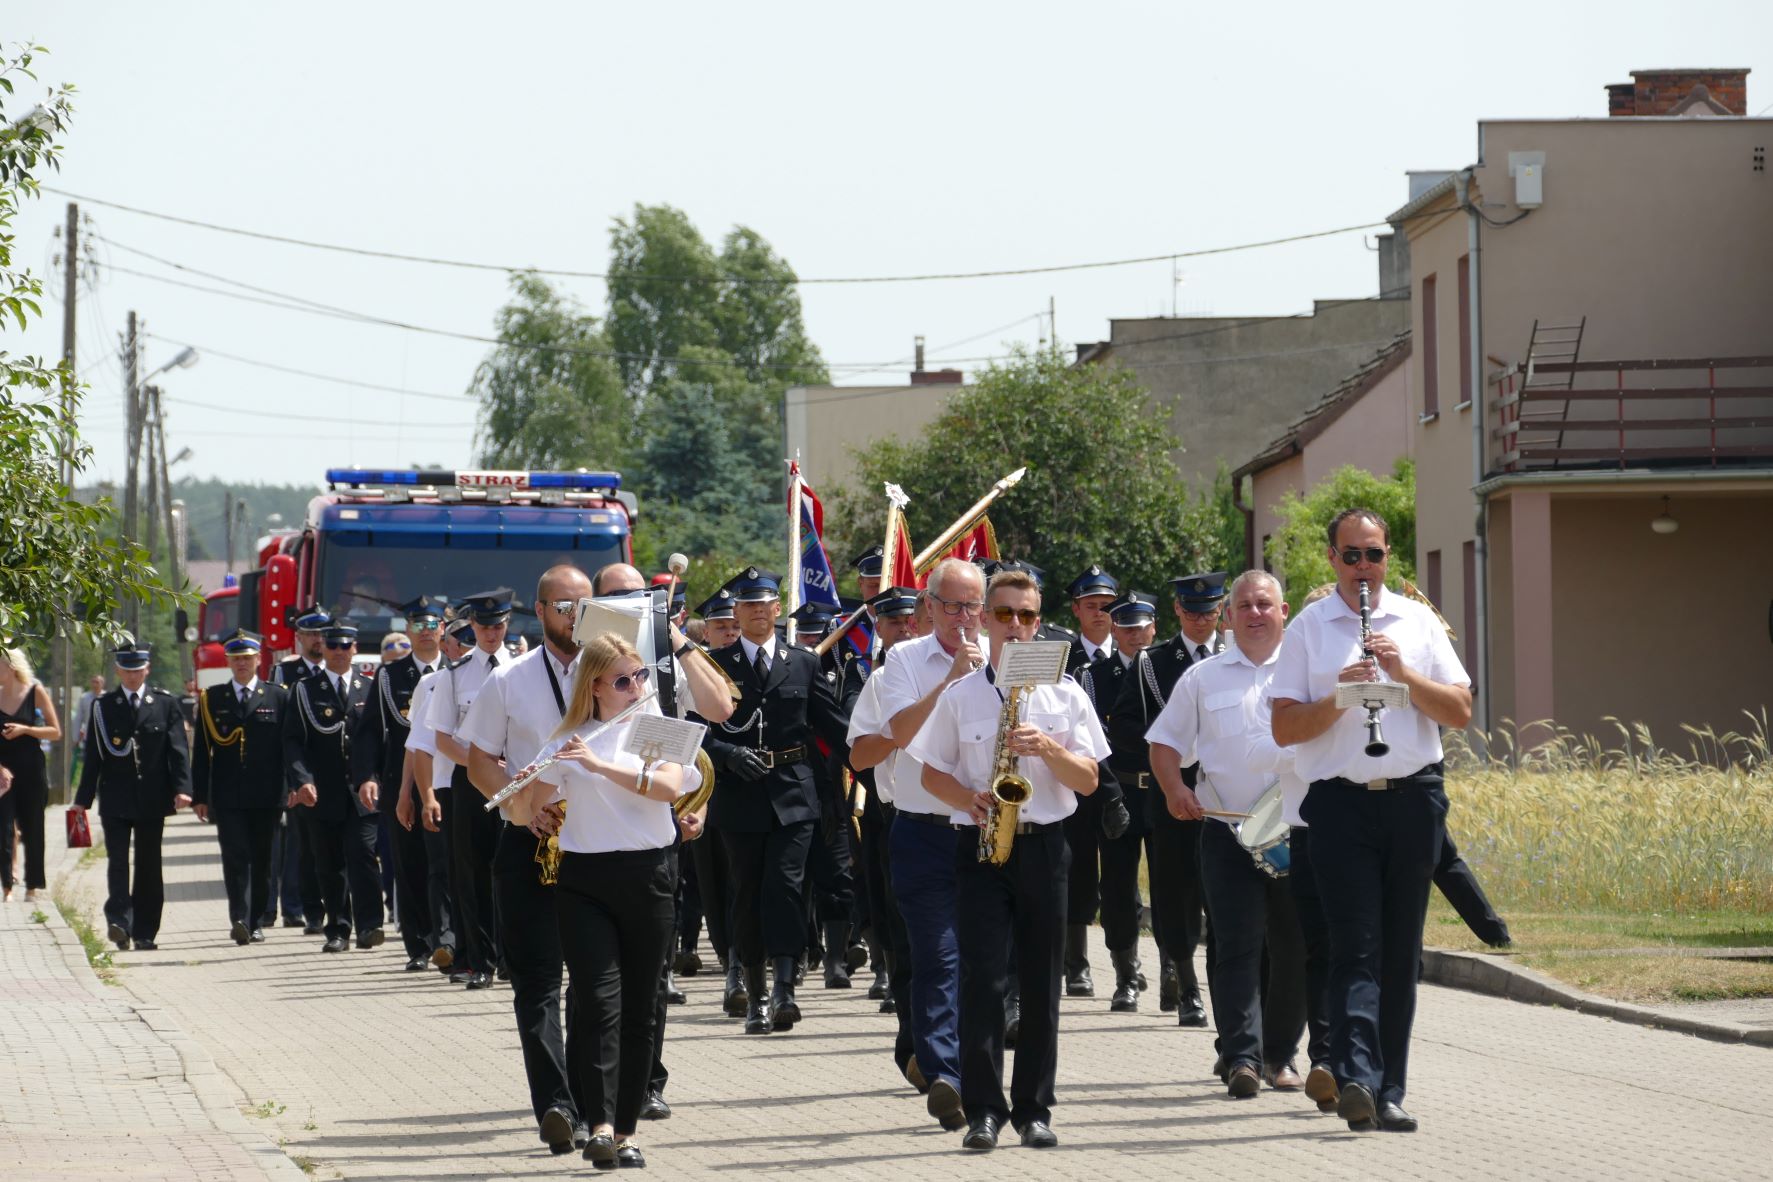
1464 328
1431 360
1431 574
1468 557
1266 565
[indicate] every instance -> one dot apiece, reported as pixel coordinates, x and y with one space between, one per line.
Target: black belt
1431 776
1145 780
1022 829
782 758
938 819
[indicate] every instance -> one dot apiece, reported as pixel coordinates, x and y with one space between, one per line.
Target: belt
1022 829
939 819
782 758
1432 775
1145 780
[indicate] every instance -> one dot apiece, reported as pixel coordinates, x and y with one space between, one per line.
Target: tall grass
1629 826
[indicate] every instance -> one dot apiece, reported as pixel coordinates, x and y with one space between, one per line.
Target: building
1591 378
825 425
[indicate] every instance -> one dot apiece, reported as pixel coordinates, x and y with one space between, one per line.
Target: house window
1431 574
1431 361
1468 633
1266 565
1464 328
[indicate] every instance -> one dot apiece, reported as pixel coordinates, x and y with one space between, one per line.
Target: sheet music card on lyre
1033 662
657 739
1359 695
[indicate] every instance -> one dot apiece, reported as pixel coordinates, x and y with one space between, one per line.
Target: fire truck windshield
221 616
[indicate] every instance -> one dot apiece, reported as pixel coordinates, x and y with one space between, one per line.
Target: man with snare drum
1216 709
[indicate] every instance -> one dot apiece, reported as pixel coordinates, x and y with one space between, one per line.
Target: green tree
60 569
550 396
664 282
1299 550
1099 488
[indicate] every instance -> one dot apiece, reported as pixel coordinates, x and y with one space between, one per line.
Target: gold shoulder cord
216 738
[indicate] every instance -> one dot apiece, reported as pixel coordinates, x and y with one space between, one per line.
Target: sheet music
1033 662
672 740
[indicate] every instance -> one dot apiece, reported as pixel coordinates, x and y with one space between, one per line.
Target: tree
1299 550
60 569
550 396
1100 487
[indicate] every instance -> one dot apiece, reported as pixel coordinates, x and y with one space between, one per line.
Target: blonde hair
21 664
595 659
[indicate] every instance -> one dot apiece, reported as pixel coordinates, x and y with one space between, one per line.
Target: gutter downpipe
1479 418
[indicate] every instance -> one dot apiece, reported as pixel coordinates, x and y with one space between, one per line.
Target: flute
527 776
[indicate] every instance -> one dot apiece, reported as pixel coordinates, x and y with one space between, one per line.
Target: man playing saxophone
970 742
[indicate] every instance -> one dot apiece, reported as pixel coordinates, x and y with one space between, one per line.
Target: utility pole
63 664
151 424
1053 325
132 403
174 556
228 520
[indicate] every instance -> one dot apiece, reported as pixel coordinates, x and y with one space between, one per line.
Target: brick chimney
1680 92
932 377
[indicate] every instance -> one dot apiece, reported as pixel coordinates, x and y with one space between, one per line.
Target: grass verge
98 952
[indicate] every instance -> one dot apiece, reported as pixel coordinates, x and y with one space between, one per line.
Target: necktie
243 697
338 685
761 665
135 703
492 660
1200 652
424 669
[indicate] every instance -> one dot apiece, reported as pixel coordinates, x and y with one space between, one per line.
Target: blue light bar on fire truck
475 484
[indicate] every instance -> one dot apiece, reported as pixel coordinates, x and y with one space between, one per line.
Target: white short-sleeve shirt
601 816
1211 717
1324 639
907 675
515 711
960 738
866 719
422 737
457 687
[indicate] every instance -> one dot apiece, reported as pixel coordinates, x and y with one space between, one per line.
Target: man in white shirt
423 806
1057 745
1212 717
1376 820
893 707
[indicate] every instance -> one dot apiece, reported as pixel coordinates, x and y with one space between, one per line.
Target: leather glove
1115 817
747 764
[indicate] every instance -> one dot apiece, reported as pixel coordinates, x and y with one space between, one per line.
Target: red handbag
79 831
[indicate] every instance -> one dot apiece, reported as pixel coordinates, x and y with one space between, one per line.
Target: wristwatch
687 646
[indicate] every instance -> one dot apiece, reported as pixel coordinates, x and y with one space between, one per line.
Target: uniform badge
327 712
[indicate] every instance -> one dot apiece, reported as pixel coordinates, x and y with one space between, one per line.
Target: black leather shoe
877 991
1037 1134
784 1010
600 1151
1077 961
118 936
1393 1119
240 932
981 1135
757 1007
146 946
629 1157
687 964
1126 983
371 939
313 929
837 964
479 981
944 1104
654 1107
1169 988
557 1129
673 995
888 1005
335 944
295 921
461 976
1190 1011
257 936
736 997
417 964
1355 1105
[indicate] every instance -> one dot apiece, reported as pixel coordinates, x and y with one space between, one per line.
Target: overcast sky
922 138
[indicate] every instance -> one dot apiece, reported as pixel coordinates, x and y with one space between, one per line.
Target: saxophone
1010 789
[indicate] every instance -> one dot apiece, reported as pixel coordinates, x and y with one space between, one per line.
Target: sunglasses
563 607
1027 615
1352 555
426 625
634 680
337 644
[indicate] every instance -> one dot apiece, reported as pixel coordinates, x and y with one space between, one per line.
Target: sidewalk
373 1073
93 1084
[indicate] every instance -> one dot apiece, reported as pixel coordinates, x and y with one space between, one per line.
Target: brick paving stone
382 1074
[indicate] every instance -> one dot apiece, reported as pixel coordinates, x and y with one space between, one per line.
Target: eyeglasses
1024 615
563 607
632 680
961 607
1373 554
1206 615
426 625
338 644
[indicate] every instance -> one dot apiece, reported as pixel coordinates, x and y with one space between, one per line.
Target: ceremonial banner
815 583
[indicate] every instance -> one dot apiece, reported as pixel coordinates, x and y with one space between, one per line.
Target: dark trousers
714 886
23 805
1083 833
1456 881
412 889
1374 854
439 878
769 883
1302 880
1177 903
530 936
1252 914
884 918
473 841
923 878
688 927
1120 872
615 917
350 879
1017 909
246 836
289 886
830 866
134 906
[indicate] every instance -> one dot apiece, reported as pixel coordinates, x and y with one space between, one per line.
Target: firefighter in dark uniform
317 757
713 878
1177 901
1133 618
138 766
237 780
378 757
293 876
766 807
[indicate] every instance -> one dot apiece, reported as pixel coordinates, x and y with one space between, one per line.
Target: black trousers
439 877
1120 871
412 887
688 925
1374 855
884 918
1456 881
530 935
23 805
714 887
134 906
350 878
473 841
1177 902
615 918
769 884
291 886
1015 909
246 836
1302 880
830 862
1252 914
1083 833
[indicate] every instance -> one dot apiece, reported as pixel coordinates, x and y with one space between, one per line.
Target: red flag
980 542
904 574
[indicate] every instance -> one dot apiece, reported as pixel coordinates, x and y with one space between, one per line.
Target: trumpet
527 776
1376 744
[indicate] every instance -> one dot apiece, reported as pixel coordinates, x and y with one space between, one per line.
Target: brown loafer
1285 1079
1320 1086
1243 1082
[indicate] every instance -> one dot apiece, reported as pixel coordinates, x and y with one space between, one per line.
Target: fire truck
379 538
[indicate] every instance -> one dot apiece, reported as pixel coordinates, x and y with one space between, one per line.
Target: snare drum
1264 833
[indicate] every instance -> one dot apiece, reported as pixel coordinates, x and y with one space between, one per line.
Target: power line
181 400
736 280
208 351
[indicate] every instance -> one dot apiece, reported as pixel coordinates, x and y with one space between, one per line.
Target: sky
860 141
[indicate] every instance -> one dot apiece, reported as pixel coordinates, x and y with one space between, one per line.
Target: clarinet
1376 744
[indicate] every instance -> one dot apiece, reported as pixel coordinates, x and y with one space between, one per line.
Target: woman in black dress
22 771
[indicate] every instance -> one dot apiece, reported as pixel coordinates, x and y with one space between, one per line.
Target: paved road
377 1074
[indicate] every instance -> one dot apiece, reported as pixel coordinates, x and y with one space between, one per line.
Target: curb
216 1094
1476 972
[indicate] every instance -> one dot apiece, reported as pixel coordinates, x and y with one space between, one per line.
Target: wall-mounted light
1665 523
